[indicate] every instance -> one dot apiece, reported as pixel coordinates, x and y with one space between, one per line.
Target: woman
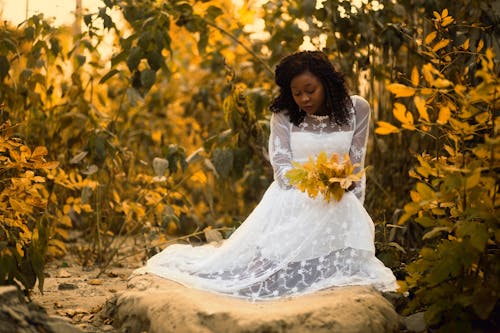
292 244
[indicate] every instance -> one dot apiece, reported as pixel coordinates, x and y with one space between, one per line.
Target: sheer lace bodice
289 143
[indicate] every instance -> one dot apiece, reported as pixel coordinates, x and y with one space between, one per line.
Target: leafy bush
455 277
25 230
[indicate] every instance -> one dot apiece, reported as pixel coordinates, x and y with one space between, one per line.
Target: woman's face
309 94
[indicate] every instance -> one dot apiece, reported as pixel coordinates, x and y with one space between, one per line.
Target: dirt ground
77 293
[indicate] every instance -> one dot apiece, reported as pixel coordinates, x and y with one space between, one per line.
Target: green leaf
118 58
134 58
87 19
148 78
55 47
476 231
109 75
213 12
176 157
223 161
155 59
29 33
484 300
107 21
80 59
425 221
202 42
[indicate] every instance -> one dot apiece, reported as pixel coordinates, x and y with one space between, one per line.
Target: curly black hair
337 98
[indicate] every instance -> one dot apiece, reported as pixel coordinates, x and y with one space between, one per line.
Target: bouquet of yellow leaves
328 176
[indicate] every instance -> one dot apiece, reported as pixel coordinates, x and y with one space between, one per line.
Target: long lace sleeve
357 151
280 154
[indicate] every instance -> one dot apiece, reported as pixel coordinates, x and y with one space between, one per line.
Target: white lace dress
290 244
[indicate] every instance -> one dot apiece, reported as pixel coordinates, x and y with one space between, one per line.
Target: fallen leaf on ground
95 282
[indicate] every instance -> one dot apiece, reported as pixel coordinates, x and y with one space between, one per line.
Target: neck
322 112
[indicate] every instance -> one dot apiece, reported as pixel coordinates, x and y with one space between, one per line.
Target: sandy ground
76 293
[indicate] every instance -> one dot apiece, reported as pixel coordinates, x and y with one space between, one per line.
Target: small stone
70 313
415 322
94 282
67 286
62 273
107 328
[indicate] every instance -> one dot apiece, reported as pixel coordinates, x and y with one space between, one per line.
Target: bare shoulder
361 105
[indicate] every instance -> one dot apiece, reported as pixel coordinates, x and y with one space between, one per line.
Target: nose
305 98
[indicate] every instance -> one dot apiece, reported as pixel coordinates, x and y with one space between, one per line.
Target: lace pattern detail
280 149
290 244
306 275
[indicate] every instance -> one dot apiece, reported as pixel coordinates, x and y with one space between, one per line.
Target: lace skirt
289 245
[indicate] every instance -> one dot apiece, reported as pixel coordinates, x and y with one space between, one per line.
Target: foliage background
164 135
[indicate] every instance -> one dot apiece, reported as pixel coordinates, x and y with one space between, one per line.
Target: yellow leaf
482 118
421 107
15 155
426 193
480 45
430 37
415 197
19 249
385 128
436 15
116 196
450 150
460 89
19 206
156 136
400 90
57 243
46 165
481 152
426 91
199 177
465 45
444 13
39 152
409 126
444 115
441 83
65 221
447 21
428 70
25 153
473 180
399 112
415 76
439 45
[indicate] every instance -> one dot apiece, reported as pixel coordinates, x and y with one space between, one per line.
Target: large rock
21 317
157 305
